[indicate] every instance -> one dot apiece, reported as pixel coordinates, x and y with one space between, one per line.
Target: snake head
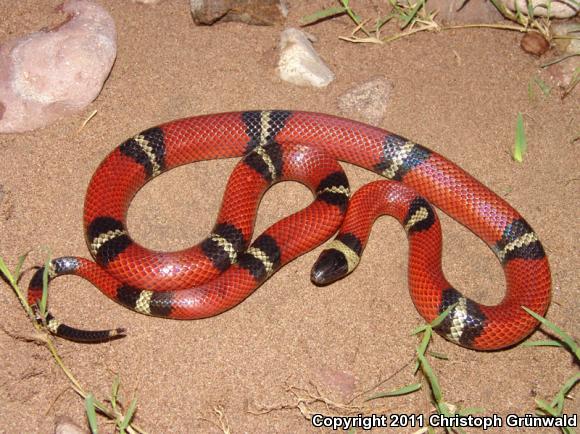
330 266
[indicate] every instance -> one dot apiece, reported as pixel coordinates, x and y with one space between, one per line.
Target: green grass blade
546 408
500 7
91 413
352 14
440 356
543 343
128 416
397 392
19 264
560 398
530 9
382 21
44 298
4 270
435 323
520 143
442 408
320 15
411 15
566 338
420 329
425 341
431 377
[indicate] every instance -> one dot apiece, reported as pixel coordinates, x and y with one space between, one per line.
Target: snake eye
330 266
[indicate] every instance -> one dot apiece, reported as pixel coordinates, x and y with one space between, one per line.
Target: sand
456 92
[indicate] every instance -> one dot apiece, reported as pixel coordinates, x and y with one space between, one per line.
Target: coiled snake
225 268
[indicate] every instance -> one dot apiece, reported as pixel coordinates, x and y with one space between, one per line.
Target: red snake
225 268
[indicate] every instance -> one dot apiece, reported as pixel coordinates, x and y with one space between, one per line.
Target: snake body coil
225 268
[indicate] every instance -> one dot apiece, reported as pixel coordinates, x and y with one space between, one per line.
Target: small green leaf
435 323
520 142
397 392
322 14
91 413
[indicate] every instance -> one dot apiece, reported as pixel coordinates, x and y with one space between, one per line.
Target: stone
564 72
534 43
299 63
255 12
558 8
65 425
53 73
367 102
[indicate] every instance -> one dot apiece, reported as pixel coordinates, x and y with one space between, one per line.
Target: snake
276 145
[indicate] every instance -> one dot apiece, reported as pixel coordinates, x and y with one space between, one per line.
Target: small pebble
53 73
534 43
299 63
65 425
367 102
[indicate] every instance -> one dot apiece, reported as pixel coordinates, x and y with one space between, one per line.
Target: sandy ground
456 92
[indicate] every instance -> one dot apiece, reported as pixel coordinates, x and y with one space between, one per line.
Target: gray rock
299 63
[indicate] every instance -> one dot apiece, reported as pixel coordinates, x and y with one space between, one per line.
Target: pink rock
56 72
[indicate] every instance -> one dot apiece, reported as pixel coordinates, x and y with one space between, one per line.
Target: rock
558 8
56 72
256 12
146 2
534 43
65 425
367 102
299 63
566 44
459 12
563 72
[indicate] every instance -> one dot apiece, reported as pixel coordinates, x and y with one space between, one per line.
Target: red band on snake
225 268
